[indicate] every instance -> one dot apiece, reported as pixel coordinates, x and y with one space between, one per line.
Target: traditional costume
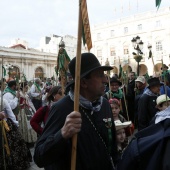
14 154
24 117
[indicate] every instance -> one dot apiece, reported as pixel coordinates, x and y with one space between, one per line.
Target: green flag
86 34
158 2
24 79
17 79
4 71
146 76
120 71
150 54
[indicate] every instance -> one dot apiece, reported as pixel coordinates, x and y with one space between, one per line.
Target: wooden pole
164 82
108 77
2 85
77 86
154 71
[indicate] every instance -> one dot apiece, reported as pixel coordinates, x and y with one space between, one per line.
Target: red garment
130 130
39 117
23 103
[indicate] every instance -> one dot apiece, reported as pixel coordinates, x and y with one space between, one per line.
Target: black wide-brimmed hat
164 66
154 82
115 80
89 63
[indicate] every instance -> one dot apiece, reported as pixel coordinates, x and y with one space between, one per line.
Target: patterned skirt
20 156
28 134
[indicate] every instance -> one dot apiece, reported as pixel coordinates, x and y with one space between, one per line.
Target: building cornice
26 54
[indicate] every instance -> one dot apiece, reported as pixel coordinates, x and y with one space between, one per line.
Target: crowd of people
24 111
110 111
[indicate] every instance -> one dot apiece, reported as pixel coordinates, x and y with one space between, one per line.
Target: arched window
126 68
142 69
39 73
14 72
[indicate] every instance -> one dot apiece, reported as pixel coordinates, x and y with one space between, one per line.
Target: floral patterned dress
20 156
24 117
14 153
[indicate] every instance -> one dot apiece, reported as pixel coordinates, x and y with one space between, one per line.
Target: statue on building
107 62
62 63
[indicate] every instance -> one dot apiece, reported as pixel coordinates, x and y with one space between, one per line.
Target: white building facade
31 63
112 41
35 63
51 44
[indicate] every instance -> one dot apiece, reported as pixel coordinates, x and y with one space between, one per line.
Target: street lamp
138 46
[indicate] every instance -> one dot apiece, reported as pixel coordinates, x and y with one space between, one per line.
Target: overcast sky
32 19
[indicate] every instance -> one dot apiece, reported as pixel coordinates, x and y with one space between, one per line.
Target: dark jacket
54 151
149 149
146 110
130 97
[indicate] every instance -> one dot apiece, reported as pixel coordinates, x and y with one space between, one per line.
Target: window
112 33
158 23
112 51
126 51
125 30
140 27
158 46
98 36
99 53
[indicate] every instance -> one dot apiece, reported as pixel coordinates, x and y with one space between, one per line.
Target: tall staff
122 79
164 77
2 84
83 31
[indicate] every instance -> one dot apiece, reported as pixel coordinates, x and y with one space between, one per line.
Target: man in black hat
96 144
147 103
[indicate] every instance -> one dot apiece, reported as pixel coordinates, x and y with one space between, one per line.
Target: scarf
150 93
162 115
9 90
38 87
25 96
94 107
118 94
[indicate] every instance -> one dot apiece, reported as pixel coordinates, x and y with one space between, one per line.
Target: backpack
146 149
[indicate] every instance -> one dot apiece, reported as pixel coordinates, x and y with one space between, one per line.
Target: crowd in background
25 109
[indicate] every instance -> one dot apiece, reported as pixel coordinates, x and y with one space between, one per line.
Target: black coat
54 151
130 97
146 110
149 149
